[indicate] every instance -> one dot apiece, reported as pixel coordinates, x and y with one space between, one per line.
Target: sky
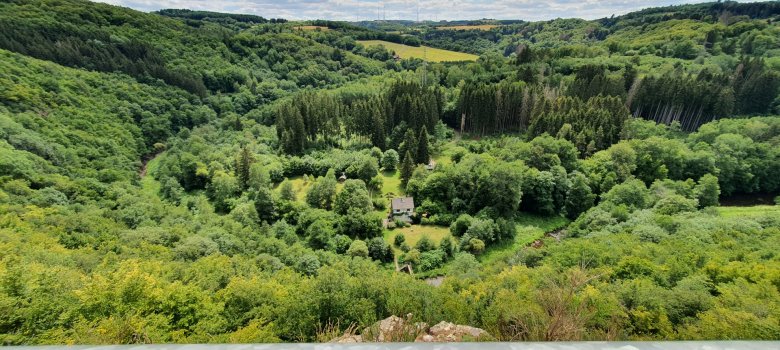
354 10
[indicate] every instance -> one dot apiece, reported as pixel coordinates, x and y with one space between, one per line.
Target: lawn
414 233
391 184
752 211
466 27
427 53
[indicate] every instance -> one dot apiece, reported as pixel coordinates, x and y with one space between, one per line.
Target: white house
402 208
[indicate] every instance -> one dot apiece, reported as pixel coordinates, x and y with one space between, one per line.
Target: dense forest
197 177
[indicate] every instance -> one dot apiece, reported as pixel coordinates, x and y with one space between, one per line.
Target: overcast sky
352 10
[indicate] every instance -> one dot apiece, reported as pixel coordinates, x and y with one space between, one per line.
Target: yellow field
474 27
427 53
312 28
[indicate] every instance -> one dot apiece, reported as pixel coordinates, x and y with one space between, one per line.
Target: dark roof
403 203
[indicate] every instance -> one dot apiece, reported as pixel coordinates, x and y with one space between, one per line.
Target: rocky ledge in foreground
396 329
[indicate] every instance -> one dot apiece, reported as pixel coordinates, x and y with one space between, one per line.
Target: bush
379 204
425 244
461 225
431 260
399 239
674 204
650 233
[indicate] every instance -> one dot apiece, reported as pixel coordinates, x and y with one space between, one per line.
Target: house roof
403 203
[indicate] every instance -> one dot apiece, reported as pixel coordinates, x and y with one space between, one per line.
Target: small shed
431 165
343 177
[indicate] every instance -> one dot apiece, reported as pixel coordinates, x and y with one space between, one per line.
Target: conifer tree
378 132
409 144
407 168
423 155
243 164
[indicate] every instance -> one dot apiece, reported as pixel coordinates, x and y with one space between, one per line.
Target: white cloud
352 10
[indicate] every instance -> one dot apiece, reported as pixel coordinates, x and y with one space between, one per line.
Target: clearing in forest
414 233
748 212
422 52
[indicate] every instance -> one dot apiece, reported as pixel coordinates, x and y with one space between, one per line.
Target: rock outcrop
450 332
396 329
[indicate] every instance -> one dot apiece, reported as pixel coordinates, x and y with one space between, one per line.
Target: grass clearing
423 52
752 211
468 27
301 187
391 184
528 228
149 185
414 233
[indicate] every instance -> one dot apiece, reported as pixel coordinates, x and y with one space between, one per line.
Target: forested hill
196 177
206 59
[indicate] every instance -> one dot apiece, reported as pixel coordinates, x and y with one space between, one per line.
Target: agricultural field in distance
325 29
422 52
468 27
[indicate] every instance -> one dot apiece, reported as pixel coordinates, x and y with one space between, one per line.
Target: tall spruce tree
422 156
243 164
407 168
409 144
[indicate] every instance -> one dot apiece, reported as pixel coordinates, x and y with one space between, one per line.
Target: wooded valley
200 177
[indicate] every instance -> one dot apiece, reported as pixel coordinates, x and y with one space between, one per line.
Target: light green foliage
358 248
632 193
390 160
286 191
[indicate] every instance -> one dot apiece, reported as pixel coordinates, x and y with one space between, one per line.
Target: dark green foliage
353 198
399 240
503 107
407 167
579 197
422 156
596 122
591 81
243 164
322 192
379 250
